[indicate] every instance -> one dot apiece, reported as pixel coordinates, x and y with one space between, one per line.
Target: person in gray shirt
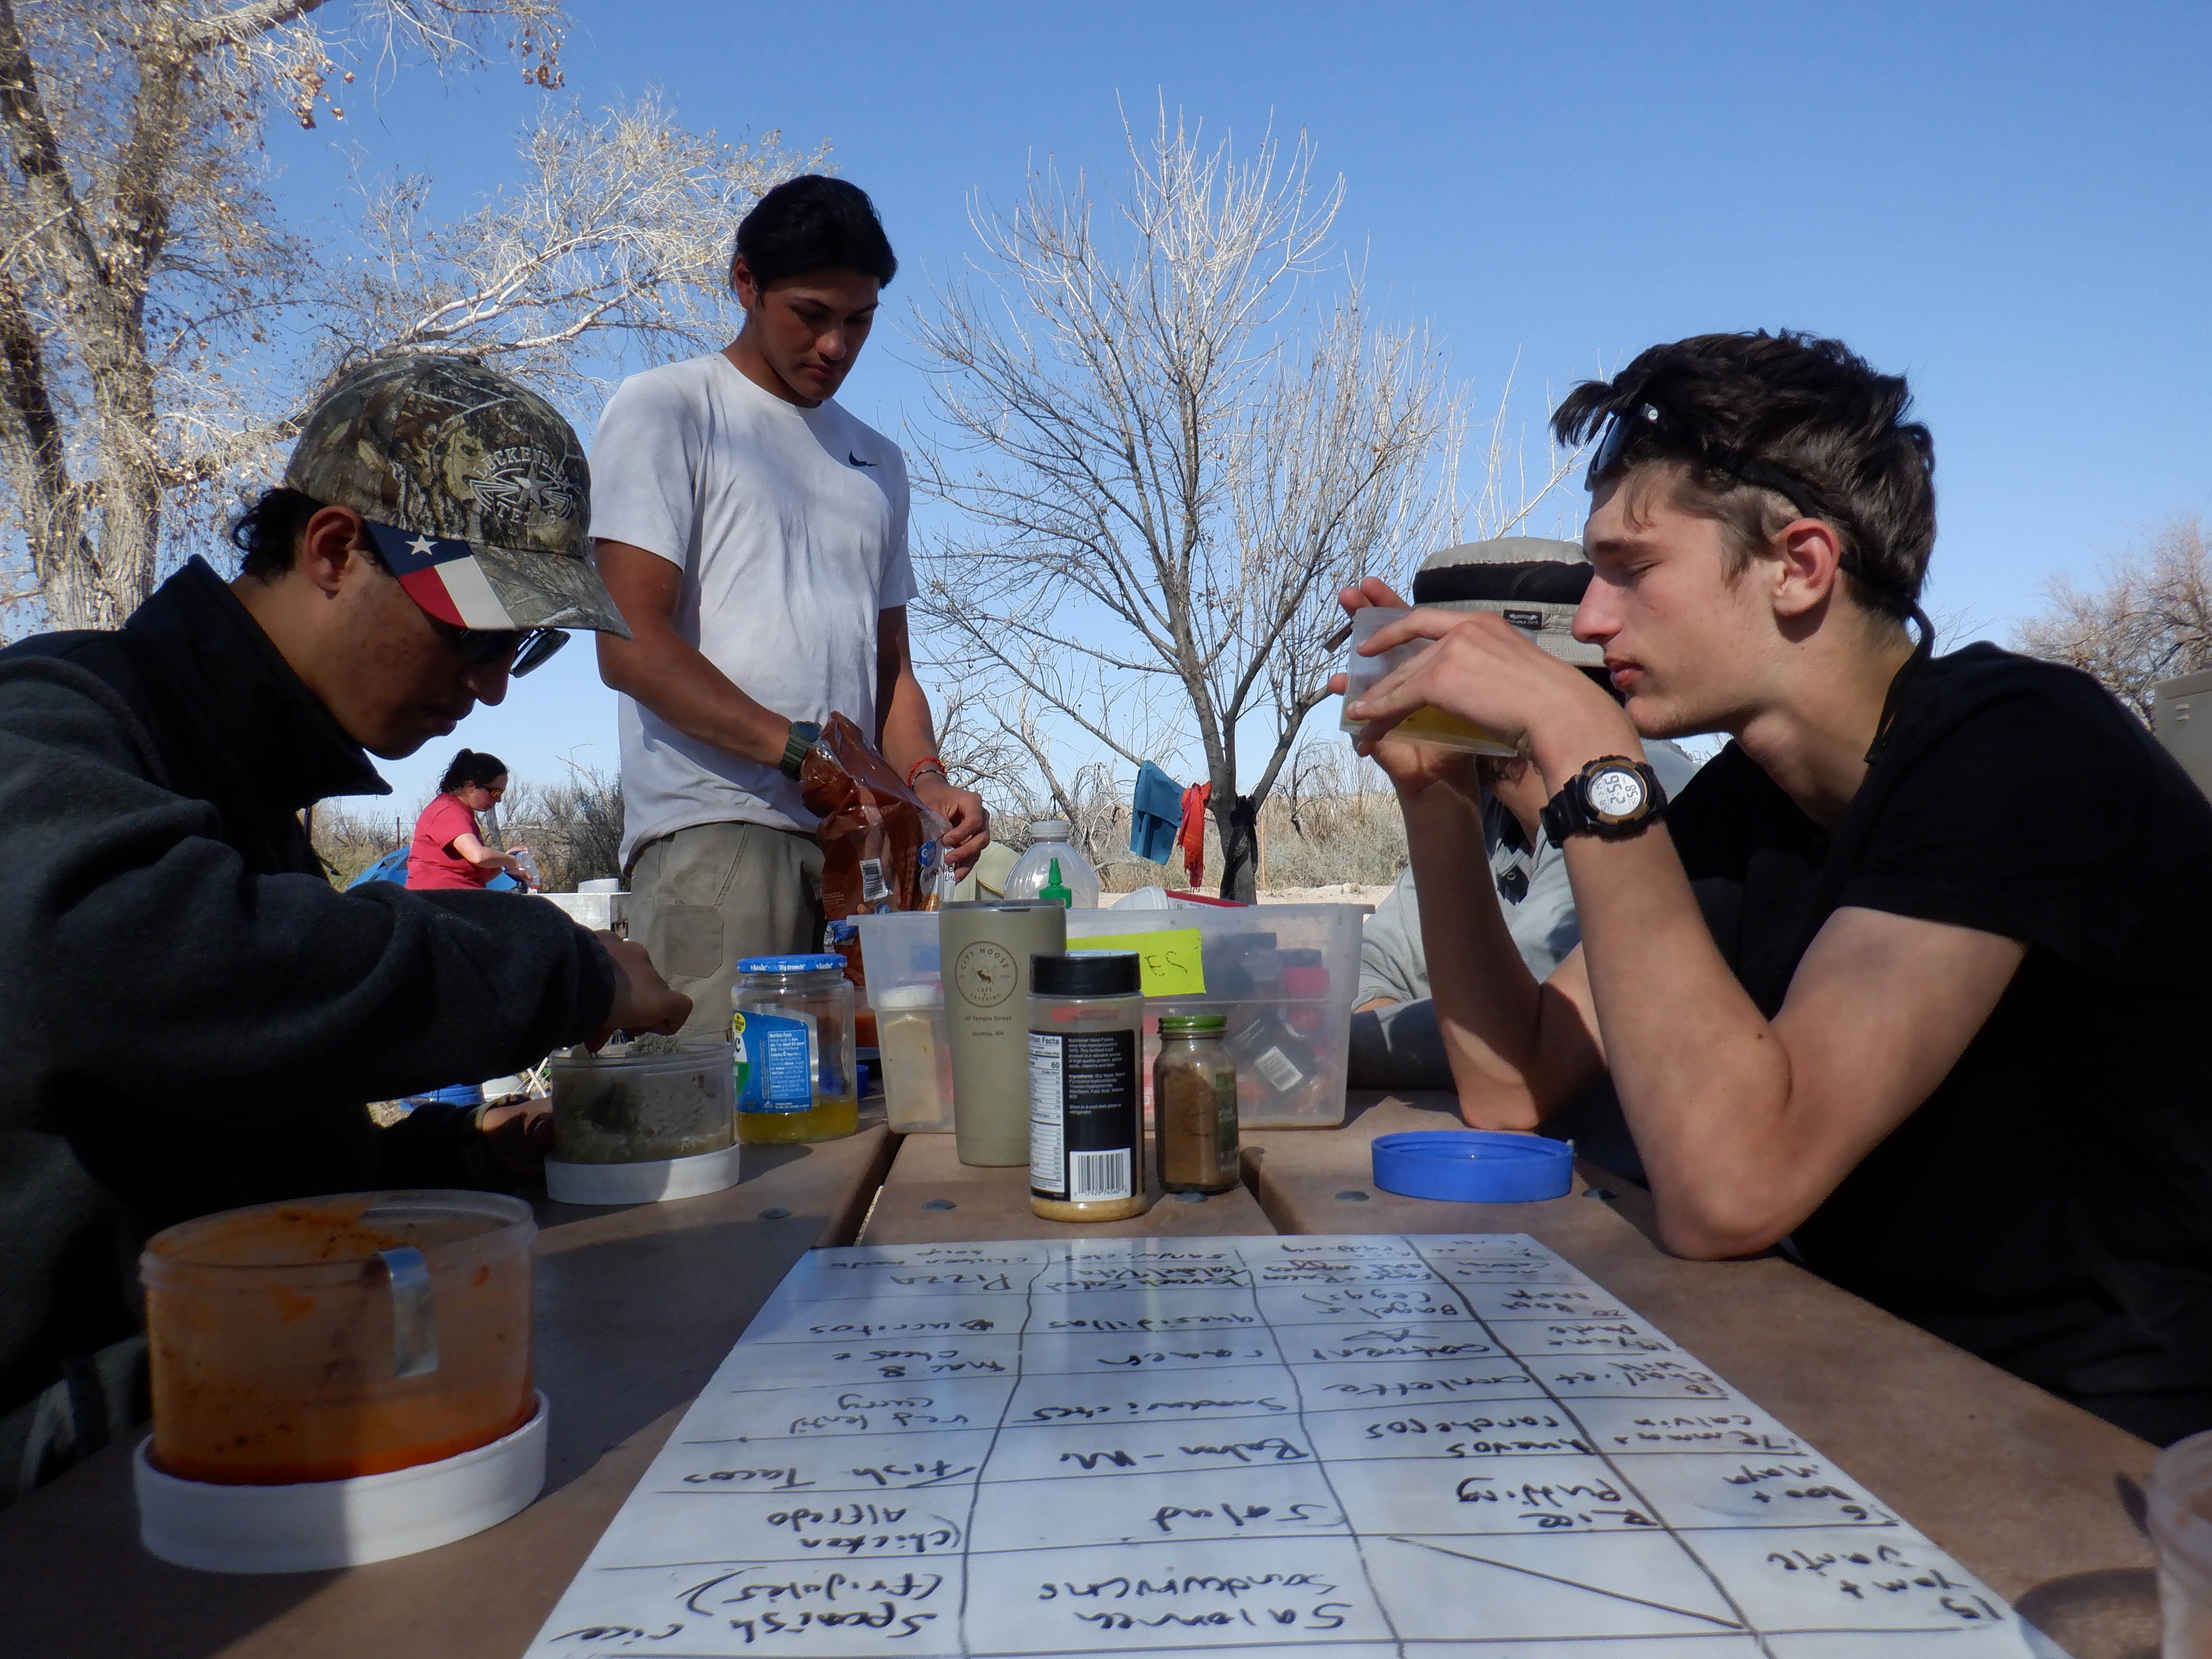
1535 584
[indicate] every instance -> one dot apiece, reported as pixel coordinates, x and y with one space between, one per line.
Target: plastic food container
339 1337
1477 1166
916 1056
1429 725
641 1122
1284 976
797 1065
641 1101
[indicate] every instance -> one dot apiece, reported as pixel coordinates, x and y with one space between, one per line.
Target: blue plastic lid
1474 1166
809 964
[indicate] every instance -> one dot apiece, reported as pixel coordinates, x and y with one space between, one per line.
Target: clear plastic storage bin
1284 977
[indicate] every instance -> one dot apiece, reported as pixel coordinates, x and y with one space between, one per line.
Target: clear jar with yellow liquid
1429 725
797 1068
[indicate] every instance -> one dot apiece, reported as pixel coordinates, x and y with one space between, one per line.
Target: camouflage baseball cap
475 488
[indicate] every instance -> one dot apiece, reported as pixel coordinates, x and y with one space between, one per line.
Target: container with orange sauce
337 1337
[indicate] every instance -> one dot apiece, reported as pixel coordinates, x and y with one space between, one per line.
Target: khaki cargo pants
702 897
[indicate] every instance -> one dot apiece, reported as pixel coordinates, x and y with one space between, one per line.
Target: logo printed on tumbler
985 973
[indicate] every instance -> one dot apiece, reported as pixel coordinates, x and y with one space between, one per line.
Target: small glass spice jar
1195 1106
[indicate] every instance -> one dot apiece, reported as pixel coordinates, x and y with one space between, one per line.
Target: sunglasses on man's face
477 646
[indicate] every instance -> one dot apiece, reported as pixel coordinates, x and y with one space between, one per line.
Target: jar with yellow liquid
797 1070
1429 725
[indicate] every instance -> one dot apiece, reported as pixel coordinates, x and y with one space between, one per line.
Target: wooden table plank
635 1307
931 1197
2029 1493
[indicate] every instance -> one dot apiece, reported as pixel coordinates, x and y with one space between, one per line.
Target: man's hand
643 1001
519 1136
1413 769
967 823
1484 670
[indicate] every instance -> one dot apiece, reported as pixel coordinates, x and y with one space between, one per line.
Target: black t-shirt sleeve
2041 813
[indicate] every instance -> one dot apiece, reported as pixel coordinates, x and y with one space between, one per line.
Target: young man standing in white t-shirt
755 535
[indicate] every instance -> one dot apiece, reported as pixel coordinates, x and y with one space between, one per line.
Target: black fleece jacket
191 1017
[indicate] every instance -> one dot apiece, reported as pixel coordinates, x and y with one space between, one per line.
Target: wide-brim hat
1535 584
476 491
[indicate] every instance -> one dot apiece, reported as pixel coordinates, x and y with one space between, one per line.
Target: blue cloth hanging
1156 814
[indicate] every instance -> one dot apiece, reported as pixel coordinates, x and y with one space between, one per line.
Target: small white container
600 908
315 1526
915 1052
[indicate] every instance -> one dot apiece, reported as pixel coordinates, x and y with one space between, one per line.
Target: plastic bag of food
881 848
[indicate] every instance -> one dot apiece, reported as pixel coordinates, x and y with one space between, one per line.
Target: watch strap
804 734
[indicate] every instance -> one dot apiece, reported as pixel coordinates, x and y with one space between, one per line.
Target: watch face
986 973
1615 793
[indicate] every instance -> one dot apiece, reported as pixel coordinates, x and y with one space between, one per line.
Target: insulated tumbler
985 950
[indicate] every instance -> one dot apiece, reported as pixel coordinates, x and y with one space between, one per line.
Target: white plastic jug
1032 872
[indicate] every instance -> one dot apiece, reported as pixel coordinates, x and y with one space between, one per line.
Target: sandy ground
1342 893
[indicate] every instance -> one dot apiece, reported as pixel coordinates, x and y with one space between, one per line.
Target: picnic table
636 1306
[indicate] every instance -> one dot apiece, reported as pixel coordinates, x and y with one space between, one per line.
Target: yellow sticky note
1174 958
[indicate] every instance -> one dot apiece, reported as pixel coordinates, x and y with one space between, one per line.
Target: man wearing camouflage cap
193 1016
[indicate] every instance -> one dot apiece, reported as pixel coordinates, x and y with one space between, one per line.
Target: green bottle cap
1053 893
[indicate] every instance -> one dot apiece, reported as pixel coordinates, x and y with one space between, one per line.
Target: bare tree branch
2151 620
149 290
1176 431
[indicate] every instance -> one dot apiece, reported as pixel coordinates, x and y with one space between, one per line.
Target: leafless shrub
575 826
2149 620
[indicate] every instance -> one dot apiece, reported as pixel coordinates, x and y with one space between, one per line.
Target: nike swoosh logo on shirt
857 461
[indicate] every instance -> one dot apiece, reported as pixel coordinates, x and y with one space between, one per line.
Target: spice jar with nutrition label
1195 1106
1086 1024
796 1068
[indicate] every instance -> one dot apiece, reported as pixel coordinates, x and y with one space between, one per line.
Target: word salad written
1456 1447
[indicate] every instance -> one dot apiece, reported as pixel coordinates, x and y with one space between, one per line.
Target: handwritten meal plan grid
1349 1447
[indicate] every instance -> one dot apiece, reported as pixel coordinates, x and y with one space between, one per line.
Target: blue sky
2007 202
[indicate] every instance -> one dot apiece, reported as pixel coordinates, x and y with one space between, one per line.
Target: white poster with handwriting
1455 1447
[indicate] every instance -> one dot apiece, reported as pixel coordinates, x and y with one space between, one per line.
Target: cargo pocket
685 940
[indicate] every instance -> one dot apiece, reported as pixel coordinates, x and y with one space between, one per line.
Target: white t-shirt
790 526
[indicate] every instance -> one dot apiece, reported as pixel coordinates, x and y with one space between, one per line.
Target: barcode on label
1098 1175
1279 1070
872 884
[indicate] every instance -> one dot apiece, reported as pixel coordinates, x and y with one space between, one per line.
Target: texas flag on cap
441 576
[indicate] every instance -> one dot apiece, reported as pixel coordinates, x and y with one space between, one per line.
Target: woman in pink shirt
448 849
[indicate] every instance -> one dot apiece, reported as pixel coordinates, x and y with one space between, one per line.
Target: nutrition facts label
1448 1446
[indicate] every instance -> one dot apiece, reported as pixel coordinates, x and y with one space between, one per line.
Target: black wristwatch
802 738
1612 797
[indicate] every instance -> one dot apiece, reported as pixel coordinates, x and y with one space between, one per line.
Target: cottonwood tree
2149 620
161 329
1176 429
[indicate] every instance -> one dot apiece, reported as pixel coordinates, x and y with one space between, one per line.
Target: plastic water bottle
1033 872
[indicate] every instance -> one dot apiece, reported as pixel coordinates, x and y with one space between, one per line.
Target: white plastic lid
930 995
1049 828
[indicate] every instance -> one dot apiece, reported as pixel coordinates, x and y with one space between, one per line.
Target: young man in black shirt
1911 980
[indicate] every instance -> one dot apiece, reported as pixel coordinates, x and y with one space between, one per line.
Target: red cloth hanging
1192 836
